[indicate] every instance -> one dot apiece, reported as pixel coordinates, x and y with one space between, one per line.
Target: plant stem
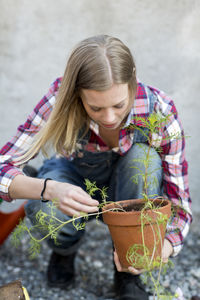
65 223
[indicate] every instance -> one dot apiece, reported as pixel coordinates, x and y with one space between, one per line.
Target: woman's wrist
49 190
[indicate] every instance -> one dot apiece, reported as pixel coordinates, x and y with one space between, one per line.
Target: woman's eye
119 105
95 109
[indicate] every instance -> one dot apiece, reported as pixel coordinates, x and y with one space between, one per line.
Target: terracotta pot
125 230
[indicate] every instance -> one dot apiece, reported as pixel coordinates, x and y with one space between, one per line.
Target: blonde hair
95 63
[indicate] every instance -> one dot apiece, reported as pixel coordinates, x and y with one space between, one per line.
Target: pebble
195 273
98 264
94 280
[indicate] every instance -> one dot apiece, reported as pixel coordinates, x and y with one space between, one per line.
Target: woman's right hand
69 198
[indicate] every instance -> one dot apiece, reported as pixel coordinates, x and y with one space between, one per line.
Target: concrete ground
37 36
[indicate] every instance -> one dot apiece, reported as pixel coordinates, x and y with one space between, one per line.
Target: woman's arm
23 139
70 199
24 187
175 174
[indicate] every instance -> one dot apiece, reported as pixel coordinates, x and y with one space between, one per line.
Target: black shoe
60 271
129 287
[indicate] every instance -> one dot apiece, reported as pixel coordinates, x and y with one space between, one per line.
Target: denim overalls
106 168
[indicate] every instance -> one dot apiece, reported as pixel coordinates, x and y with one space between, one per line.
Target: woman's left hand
166 252
129 269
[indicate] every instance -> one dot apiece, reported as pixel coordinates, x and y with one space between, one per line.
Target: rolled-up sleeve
175 178
23 139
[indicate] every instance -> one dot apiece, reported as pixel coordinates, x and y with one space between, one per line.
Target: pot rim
131 217
136 201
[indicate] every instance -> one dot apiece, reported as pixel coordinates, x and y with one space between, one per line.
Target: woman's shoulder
55 85
163 102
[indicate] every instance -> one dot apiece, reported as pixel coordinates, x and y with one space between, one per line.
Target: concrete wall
37 36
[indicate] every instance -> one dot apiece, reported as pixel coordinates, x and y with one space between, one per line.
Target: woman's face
107 108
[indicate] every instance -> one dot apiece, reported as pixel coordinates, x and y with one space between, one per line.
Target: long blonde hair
95 63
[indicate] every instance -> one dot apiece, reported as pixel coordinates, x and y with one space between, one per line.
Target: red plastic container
8 221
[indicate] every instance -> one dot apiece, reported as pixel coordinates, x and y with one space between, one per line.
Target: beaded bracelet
44 187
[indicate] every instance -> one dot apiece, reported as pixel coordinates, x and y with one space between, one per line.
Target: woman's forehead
116 94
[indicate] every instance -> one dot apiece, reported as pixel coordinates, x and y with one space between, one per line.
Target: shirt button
80 154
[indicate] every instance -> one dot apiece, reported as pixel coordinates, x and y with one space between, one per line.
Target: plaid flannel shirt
175 174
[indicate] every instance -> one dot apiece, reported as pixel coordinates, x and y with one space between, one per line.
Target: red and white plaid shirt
175 168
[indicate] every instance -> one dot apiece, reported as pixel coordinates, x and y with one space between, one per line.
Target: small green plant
138 255
48 225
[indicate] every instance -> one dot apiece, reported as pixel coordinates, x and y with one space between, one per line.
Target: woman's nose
108 116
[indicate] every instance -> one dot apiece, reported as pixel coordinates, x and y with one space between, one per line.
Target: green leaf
34 248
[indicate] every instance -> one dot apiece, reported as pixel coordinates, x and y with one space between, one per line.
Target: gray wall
37 36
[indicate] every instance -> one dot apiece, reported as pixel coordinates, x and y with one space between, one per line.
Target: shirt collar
94 127
129 119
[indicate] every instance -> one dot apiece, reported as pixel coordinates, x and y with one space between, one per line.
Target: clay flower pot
126 232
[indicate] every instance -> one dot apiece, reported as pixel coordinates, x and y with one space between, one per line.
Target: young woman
85 116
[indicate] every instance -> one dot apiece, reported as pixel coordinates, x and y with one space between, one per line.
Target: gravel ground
94 268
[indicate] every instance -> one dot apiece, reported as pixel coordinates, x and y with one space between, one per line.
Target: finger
80 190
117 262
69 211
81 207
129 269
80 196
167 249
67 204
135 271
164 260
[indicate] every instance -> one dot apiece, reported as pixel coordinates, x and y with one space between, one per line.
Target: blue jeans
107 169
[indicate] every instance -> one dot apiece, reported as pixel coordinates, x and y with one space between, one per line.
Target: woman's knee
146 160
139 155
131 169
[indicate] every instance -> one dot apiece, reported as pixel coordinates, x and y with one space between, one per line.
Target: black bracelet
42 193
